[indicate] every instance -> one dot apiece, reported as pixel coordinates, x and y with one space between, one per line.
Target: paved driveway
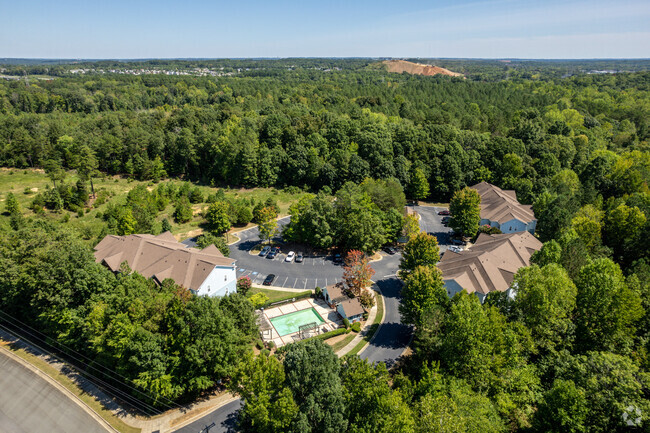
431 223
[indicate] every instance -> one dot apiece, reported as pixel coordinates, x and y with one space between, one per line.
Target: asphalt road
224 419
29 403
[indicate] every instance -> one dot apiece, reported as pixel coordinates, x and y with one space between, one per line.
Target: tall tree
87 166
418 188
606 308
465 209
217 217
357 272
312 373
267 223
268 406
421 250
423 290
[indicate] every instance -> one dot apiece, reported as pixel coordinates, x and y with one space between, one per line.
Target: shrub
80 213
259 300
347 331
271 345
318 291
356 326
346 323
259 344
265 352
244 285
330 334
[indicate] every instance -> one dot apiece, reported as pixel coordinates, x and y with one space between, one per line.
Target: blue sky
336 28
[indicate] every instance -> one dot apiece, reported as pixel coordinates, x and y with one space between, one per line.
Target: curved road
29 403
391 338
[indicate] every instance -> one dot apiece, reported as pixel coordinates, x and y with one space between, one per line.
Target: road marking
388 276
305 288
325 282
294 283
285 281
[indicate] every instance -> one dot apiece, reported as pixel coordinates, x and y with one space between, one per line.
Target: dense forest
568 354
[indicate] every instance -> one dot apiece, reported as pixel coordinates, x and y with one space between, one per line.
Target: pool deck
331 317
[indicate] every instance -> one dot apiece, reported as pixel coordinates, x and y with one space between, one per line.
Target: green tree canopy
465 208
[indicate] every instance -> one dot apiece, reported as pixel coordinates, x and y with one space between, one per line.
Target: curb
43 375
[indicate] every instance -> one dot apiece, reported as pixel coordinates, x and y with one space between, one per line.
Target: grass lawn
341 344
275 295
373 327
55 374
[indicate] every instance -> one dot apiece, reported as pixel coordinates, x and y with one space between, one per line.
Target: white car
455 249
290 256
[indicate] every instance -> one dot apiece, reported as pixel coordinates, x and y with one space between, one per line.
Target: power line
115 391
91 361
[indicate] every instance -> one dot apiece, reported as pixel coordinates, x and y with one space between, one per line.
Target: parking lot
431 223
318 269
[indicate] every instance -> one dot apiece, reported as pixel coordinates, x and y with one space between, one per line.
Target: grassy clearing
55 374
373 327
26 184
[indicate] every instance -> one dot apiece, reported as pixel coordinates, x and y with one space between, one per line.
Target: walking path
361 335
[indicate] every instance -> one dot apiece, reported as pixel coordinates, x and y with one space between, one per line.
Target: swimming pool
290 323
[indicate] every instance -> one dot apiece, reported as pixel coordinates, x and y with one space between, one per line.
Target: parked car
290 256
274 252
445 220
265 251
337 258
444 212
269 279
456 241
390 250
299 257
455 249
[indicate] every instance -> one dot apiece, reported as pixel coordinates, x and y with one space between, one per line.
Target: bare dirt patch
400 66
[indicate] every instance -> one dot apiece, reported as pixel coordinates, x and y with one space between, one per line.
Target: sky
130 29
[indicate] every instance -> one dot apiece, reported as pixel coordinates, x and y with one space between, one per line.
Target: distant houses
500 209
204 272
489 265
348 308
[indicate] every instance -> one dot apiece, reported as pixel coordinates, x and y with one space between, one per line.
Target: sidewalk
164 423
357 339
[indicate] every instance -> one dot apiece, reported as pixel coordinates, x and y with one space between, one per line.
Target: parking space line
285 281
305 288
325 282
294 283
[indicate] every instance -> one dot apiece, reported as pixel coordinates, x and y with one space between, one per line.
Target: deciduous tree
357 272
465 208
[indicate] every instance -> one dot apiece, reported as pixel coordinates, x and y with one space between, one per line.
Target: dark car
445 220
299 257
338 258
265 251
444 212
269 279
456 241
390 250
274 252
